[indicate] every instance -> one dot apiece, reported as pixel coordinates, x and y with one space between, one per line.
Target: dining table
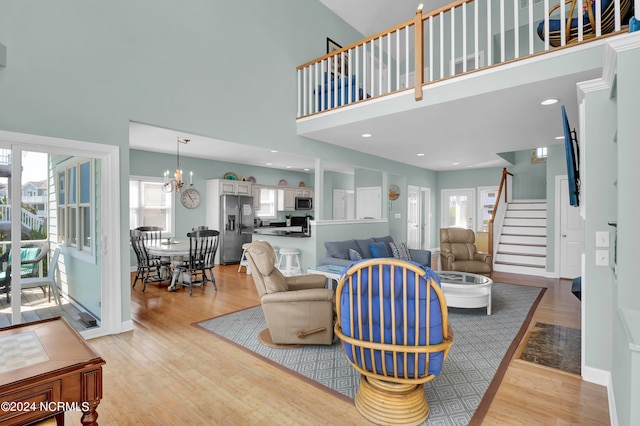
175 250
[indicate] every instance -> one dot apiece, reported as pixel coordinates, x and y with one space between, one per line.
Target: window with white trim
539 155
268 203
149 205
76 204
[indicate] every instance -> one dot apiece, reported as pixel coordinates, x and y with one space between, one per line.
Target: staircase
522 247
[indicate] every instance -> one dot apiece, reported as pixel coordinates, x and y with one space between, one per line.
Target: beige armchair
298 309
458 252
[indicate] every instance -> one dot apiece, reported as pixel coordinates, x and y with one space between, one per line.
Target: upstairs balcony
460 38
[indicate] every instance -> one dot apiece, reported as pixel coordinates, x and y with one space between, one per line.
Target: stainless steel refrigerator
236 226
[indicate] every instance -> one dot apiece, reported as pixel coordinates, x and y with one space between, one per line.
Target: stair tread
525 265
524 235
522 244
521 254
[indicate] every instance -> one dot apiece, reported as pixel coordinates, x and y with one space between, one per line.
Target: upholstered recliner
298 309
458 252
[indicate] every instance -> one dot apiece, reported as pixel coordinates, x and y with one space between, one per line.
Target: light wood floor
169 372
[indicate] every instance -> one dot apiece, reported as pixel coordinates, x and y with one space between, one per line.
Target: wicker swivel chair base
391 403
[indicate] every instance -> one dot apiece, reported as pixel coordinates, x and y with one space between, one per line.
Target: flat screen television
572 151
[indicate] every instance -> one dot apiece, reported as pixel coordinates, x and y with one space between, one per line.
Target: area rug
481 343
553 346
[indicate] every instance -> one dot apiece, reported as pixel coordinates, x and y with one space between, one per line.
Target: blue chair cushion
396 288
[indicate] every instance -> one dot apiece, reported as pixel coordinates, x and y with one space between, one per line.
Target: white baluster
300 89
516 32
441 44
464 37
502 35
546 24
563 24
489 41
406 56
476 35
532 30
397 60
430 48
453 41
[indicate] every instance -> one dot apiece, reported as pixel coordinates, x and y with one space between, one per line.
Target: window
268 203
149 205
76 204
539 155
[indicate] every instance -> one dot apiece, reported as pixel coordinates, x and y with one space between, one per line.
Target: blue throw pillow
378 250
354 254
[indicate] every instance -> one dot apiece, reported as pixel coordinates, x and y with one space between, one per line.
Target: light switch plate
397 215
602 257
602 239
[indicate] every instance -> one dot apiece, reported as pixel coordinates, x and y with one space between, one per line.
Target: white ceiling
469 132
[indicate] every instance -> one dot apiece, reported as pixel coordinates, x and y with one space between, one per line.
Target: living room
61 86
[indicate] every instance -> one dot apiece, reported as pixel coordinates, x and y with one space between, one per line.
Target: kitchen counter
280 232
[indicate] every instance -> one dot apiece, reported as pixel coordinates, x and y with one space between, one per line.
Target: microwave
304 203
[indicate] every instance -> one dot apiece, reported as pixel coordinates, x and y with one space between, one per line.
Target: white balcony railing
460 37
28 219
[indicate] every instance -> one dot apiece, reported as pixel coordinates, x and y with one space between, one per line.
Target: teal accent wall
83 70
529 179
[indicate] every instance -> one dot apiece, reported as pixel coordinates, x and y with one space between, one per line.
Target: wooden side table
47 368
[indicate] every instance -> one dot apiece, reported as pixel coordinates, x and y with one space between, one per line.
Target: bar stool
243 260
291 259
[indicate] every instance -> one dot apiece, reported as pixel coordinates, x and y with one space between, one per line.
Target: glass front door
458 207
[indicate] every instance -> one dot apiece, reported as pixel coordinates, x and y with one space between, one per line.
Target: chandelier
176 184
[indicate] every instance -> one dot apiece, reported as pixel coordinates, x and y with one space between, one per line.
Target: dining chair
148 267
203 246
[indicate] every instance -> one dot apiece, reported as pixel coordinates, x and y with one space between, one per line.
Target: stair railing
499 209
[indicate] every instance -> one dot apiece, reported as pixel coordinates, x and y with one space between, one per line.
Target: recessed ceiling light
288 167
306 170
549 101
273 150
366 135
420 155
559 137
455 164
269 164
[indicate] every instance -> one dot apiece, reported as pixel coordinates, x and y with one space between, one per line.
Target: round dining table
176 250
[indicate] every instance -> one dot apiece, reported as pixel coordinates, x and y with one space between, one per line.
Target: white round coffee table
466 290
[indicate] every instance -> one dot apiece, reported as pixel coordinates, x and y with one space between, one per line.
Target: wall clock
190 198
394 192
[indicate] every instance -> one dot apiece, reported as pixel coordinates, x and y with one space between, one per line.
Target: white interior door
571 235
339 204
369 202
458 208
426 217
413 217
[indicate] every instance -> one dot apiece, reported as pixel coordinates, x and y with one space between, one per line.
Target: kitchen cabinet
255 191
233 187
304 192
287 199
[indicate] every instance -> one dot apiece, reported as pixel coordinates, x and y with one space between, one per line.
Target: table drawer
26 400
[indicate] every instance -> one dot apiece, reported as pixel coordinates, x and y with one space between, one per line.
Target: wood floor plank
167 371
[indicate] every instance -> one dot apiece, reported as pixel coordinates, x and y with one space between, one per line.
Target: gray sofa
337 252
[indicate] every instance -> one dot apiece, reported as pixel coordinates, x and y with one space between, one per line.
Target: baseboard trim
603 378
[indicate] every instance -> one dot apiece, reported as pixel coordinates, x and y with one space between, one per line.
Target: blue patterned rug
481 343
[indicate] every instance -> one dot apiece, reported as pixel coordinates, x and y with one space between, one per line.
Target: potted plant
289 216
